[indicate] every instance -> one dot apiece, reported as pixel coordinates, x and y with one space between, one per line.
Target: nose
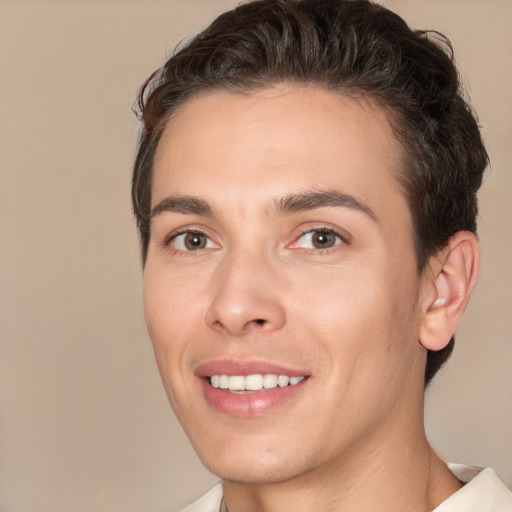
246 297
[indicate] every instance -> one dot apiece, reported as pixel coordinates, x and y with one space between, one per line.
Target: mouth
243 384
251 388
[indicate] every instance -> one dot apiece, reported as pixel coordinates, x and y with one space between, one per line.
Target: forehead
292 137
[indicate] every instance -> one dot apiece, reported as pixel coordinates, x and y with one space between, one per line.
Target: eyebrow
300 202
291 203
183 204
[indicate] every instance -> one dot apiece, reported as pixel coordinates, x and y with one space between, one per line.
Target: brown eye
323 239
319 239
191 241
194 241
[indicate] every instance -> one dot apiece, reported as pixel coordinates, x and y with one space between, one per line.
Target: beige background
84 423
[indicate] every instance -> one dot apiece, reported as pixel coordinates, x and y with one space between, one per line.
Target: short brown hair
357 48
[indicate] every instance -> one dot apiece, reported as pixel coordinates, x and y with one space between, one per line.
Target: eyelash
343 240
174 235
342 237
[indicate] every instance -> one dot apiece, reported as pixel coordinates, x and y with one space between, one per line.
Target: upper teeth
255 382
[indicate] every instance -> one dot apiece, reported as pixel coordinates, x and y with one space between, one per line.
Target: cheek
169 314
171 321
168 298
340 304
365 315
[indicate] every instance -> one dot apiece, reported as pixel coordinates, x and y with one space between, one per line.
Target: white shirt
483 492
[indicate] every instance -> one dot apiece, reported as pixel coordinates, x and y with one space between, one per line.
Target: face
281 291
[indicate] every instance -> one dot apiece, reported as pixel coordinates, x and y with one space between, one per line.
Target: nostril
259 321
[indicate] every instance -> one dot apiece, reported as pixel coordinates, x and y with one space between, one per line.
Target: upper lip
241 367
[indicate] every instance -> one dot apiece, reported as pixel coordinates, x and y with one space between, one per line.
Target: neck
388 475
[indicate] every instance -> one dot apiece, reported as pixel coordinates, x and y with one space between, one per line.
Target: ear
451 278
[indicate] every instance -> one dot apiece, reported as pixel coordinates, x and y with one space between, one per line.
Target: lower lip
247 405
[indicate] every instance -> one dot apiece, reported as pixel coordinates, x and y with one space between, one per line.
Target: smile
251 388
255 382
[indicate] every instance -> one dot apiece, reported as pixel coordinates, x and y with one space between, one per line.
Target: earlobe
452 281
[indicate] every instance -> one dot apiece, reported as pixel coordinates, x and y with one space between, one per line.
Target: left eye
191 241
318 239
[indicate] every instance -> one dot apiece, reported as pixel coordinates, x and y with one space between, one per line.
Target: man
305 193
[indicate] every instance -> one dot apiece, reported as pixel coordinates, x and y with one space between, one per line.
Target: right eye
191 241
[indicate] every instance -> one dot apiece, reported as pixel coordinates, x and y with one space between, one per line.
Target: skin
350 316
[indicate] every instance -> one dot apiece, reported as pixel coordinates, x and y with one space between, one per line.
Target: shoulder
209 502
483 492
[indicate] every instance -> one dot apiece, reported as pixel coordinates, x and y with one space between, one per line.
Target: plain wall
84 422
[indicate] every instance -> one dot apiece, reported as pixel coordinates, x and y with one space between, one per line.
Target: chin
250 465
251 474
